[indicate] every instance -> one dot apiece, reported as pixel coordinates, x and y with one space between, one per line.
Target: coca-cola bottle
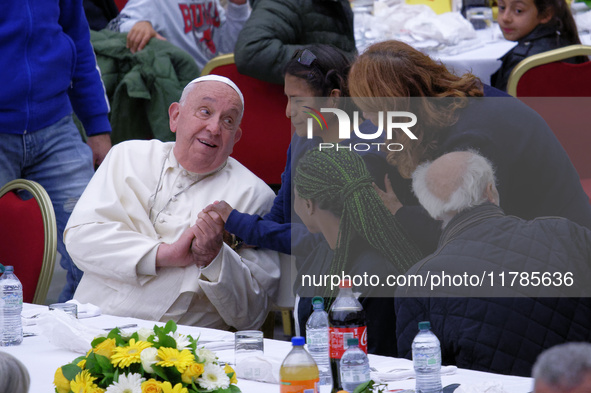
347 320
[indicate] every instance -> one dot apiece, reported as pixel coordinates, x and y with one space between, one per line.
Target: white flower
206 355
144 333
213 377
148 357
182 341
127 383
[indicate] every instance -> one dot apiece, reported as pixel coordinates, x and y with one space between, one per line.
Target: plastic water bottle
347 320
354 366
298 372
317 340
426 356
11 291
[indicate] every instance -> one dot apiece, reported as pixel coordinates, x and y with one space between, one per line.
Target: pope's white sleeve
243 288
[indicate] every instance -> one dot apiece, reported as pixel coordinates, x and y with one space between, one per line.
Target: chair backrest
544 75
266 131
560 92
28 237
120 4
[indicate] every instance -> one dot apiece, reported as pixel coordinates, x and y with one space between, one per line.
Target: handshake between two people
200 243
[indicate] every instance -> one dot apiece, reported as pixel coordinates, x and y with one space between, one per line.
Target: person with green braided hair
335 196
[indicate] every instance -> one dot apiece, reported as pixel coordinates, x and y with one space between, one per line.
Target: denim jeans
57 158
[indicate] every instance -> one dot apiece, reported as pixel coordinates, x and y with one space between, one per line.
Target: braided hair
338 181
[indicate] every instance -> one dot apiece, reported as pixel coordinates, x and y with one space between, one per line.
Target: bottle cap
317 302
346 283
425 325
298 341
352 341
8 268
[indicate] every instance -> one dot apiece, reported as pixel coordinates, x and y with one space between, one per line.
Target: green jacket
141 86
276 28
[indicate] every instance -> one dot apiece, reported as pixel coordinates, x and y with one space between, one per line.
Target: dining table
43 354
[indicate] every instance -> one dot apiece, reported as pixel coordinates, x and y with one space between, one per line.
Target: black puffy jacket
501 334
276 28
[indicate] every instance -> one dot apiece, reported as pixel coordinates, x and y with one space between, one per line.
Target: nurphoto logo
393 122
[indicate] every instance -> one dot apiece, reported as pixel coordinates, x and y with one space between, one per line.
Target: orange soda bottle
299 373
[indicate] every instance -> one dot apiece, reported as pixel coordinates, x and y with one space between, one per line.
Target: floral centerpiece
148 361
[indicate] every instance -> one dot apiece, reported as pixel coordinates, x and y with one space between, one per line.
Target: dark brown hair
562 19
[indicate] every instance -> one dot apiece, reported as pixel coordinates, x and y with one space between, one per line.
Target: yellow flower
83 383
229 370
178 388
171 357
97 390
62 385
192 372
82 364
106 348
125 356
151 386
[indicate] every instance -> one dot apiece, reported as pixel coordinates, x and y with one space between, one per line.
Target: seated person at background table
139 234
202 28
334 196
318 71
14 377
276 28
537 26
505 333
565 368
535 175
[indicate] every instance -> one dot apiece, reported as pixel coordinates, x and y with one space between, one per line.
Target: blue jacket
48 67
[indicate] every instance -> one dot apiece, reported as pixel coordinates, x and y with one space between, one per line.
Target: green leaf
159 371
170 326
70 371
364 387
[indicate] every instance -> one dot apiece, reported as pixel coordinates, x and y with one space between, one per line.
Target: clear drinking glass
68 308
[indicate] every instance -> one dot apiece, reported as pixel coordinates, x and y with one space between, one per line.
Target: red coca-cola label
338 339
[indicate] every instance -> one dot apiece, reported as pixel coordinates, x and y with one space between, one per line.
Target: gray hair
474 176
14 377
563 366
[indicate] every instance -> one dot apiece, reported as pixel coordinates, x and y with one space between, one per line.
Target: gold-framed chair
28 237
545 75
561 93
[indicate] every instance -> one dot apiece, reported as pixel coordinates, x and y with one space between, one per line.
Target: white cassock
141 197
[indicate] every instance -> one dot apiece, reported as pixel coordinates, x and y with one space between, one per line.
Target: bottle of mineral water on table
354 366
317 340
426 357
11 293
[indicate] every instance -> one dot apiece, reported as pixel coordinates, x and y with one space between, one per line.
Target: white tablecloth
43 358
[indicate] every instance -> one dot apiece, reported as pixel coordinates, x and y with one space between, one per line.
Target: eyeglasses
305 57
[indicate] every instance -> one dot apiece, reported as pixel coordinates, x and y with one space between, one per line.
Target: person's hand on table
140 34
389 197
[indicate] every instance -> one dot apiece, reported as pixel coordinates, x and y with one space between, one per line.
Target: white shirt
113 239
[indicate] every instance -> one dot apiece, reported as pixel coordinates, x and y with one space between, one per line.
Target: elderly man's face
206 126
